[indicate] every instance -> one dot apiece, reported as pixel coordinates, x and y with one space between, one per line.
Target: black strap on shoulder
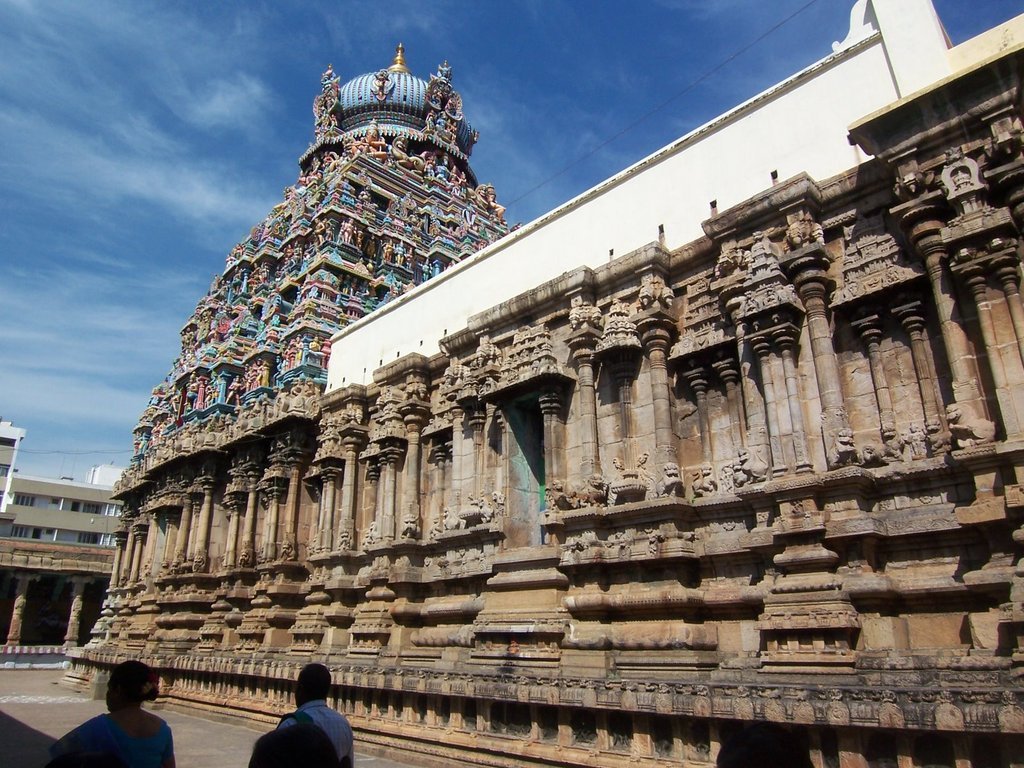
298 716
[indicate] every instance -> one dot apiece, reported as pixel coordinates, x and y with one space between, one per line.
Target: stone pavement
35 710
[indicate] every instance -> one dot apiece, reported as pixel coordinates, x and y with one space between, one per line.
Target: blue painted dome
398 102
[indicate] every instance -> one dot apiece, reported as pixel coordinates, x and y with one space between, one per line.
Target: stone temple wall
773 474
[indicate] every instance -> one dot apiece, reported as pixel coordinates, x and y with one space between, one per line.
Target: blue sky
139 141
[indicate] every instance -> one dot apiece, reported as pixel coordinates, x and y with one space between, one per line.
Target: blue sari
102 734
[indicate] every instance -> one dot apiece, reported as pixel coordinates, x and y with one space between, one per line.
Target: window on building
24 500
88 538
20 532
91 508
76 506
4 470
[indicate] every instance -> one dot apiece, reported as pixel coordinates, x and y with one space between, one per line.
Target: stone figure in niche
844 450
583 313
749 468
654 291
410 527
968 432
372 533
671 481
703 482
452 521
804 230
915 443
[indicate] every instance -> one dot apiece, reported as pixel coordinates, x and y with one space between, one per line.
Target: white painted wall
797 126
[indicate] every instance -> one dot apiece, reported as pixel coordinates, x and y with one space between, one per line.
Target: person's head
302 744
763 744
314 682
130 684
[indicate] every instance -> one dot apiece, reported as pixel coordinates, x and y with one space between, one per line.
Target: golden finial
398 65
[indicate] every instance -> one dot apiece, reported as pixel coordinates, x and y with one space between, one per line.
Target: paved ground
35 710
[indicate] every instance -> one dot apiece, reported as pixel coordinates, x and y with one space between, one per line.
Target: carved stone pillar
414 415
551 411
477 420
149 555
346 525
911 314
201 555
233 507
22 582
582 345
868 325
921 221
373 501
289 538
656 335
753 404
623 368
273 492
129 555
247 549
328 499
975 279
458 466
120 543
808 269
728 371
697 379
390 457
139 528
440 458
170 540
181 553
762 348
78 584
786 340
1008 276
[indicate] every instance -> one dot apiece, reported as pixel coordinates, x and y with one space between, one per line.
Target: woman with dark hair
136 737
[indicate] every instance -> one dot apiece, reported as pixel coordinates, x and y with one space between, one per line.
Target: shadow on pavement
21 746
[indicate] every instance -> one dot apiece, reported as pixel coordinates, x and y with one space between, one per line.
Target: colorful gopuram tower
385 199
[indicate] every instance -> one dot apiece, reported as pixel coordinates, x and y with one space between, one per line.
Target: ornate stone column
655 331
353 442
120 543
391 455
582 344
922 219
728 371
373 501
78 584
201 555
170 540
272 493
139 528
23 580
233 503
697 379
247 550
756 439
152 538
324 535
910 311
440 458
975 279
786 340
129 554
551 411
762 348
414 415
808 269
181 553
289 541
868 325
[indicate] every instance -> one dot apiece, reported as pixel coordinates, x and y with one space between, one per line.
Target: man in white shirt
311 690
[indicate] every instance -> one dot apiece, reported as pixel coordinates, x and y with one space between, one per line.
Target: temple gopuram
536 503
